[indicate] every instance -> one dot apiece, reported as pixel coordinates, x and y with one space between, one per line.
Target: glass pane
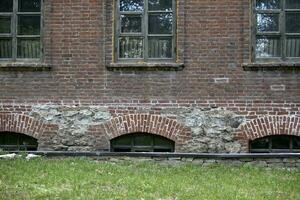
131 5
122 150
163 5
280 142
267 4
293 47
123 140
6 5
292 4
130 47
5 48
160 23
29 25
131 24
268 47
160 141
28 48
262 143
267 22
293 22
143 140
296 142
5 24
29 5
160 47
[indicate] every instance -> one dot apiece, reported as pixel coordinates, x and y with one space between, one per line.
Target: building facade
150 75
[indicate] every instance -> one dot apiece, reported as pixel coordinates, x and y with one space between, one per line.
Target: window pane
267 4
130 47
143 140
163 5
160 47
5 48
123 140
292 4
131 5
296 143
280 142
267 22
5 24
160 23
131 24
268 47
293 47
29 5
6 5
293 22
28 48
160 141
29 25
262 143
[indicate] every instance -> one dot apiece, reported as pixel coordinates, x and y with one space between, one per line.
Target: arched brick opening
144 123
266 126
24 124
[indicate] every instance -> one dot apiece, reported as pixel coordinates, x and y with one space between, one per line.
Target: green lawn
87 179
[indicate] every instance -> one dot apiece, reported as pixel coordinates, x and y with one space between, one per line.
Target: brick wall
213 42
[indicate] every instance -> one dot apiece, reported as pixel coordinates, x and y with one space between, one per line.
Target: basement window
17 142
275 144
142 142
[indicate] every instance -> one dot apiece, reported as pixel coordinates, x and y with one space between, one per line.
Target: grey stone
73 123
198 161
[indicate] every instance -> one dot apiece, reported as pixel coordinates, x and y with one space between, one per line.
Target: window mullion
254 36
146 14
282 31
174 28
14 30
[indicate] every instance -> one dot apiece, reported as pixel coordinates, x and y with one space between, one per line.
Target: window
276 30
145 30
17 142
20 27
278 143
142 142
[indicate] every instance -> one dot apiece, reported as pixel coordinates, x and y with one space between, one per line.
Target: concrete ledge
24 66
146 66
271 66
165 155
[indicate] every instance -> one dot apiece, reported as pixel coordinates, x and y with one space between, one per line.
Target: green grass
87 179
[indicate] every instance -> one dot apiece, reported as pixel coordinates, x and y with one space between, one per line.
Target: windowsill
146 66
24 66
271 66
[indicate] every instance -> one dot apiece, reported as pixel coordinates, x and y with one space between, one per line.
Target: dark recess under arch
10 141
275 143
141 142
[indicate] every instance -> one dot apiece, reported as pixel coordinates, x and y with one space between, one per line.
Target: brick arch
146 123
24 124
269 125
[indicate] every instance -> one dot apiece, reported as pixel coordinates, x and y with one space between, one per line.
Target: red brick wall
213 42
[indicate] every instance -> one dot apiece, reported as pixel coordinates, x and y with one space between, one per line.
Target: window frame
144 34
14 33
139 148
281 34
17 138
291 148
